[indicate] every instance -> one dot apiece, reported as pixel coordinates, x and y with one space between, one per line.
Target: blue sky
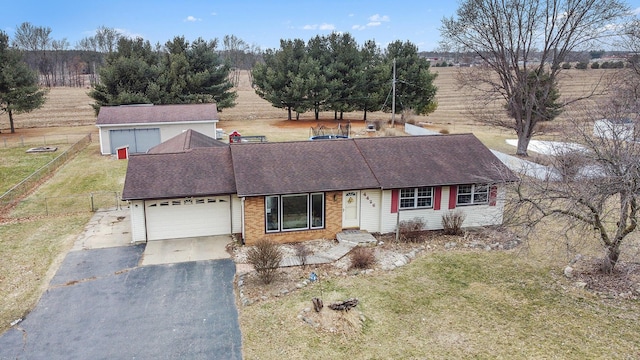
259 22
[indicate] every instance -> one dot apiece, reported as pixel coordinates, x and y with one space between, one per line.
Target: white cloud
377 18
214 14
323 26
374 20
192 19
327 27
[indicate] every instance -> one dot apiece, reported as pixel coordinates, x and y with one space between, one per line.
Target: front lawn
445 305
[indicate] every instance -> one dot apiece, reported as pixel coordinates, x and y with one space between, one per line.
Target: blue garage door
138 140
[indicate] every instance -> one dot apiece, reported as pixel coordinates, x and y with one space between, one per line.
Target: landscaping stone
568 271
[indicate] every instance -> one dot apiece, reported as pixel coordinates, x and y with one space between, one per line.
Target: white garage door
190 217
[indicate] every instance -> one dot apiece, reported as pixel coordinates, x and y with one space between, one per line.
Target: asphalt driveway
102 305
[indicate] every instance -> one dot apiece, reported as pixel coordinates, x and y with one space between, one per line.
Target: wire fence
13 195
44 140
69 204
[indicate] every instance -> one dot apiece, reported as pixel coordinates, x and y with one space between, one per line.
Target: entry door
351 209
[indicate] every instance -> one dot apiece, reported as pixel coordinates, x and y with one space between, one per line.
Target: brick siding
254 222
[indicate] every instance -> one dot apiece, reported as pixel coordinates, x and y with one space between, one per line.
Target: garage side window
294 212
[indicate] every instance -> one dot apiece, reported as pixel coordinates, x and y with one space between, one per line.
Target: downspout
242 218
231 213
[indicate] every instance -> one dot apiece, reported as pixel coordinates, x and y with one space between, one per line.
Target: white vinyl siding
370 210
236 214
478 215
138 224
167 131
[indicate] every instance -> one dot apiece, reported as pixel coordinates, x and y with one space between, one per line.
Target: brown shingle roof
294 167
298 167
203 171
410 161
189 139
146 114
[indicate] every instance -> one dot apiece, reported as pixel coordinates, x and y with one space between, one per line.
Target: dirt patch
622 283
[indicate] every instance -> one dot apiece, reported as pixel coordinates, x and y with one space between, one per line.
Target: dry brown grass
445 306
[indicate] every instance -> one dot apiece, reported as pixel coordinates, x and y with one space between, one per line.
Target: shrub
265 256
582 65
569 164
452 222
302 252
595 65
362 258
444 131
566 66
410 230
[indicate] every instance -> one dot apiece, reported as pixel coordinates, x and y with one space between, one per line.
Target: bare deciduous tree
513 39
598 190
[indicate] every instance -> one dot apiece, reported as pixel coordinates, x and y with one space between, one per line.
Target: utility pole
393 100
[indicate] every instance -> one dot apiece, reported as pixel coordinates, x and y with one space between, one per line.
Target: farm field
445 304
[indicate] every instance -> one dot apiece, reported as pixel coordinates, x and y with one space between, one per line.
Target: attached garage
138 140
188 217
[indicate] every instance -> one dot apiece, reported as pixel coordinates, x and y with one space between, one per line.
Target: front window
294 212
414 198
473 194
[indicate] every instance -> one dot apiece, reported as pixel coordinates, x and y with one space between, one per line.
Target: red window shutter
438 198
453 196
395 196
493 195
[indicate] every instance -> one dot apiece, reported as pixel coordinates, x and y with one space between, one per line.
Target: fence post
92 209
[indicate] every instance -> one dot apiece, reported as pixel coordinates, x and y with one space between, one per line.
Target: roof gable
202 171
187 140
149 114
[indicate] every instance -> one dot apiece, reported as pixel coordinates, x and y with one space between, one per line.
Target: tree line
335 73
58 64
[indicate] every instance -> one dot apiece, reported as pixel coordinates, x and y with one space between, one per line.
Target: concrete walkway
112 228
183 250
347 240
107 228
528 168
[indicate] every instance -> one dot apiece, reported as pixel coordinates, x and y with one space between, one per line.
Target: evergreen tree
19 90
179 73
414 81
372 84
273 79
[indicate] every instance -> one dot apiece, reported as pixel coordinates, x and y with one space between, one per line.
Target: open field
445 304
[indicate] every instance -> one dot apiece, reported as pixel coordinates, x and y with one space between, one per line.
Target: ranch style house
193 185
